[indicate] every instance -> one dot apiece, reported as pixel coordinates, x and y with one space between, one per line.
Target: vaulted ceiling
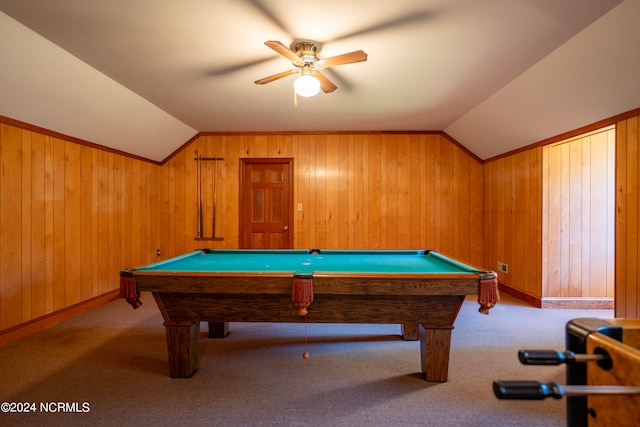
144 76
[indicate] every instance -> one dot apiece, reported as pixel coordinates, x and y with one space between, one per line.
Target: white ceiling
144 76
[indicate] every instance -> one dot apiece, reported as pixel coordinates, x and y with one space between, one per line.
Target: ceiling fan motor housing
307 51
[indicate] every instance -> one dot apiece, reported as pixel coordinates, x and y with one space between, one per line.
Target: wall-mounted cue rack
199 159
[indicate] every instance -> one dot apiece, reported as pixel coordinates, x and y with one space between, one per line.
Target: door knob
286 227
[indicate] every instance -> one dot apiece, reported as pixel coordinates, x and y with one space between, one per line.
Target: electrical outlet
157 252
502 267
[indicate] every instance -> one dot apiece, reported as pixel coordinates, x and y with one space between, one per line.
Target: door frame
244 211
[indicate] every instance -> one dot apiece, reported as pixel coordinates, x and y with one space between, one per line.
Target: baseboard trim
570 302
536 302
581 303
41 323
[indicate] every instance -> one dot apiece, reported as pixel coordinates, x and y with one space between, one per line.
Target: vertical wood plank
301 189
404 229
26 223
632 251
476 218
72 231
391 193
179 207
446 197
366 176
632 296
535 225
233 191
320 235
454 237
261 147
86 223
374 192
430 207
49 225
102 221
589 215
59 279
574 219
416 195
38 247
463 203
332 187
190 197
10 229
611 213
344 187
312 210
355 193
127 199
500 218
164 211
596 182
519 203
621 219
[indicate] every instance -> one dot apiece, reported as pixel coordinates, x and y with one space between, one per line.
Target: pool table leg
218 329
182 345
410 331
435 344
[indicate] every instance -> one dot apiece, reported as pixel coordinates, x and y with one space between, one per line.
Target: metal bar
535 390
586 390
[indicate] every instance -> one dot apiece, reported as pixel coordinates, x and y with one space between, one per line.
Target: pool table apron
425 308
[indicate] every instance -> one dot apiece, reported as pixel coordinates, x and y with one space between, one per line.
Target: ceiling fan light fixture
306 86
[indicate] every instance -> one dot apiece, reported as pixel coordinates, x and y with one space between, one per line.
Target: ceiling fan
304 56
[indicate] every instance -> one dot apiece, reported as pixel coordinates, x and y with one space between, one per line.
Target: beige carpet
110 367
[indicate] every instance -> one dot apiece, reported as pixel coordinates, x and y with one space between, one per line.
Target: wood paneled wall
578 217
357 191
513 219
627 219
517 207
71 217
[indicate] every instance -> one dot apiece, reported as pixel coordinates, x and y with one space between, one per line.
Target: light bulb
306 86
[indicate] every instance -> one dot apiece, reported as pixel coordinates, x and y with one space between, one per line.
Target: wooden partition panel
352 191
71 217
627 293
578 217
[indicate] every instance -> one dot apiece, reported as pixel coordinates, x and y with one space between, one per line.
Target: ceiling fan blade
283 50
325 84
417 17
276 77
346 58
268 13
223 71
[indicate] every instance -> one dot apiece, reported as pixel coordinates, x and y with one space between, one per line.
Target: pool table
421 290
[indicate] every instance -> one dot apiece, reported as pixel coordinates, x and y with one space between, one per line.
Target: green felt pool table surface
308 262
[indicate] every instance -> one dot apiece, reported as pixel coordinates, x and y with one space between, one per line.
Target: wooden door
266 203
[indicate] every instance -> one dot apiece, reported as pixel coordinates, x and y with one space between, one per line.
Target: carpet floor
109 367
